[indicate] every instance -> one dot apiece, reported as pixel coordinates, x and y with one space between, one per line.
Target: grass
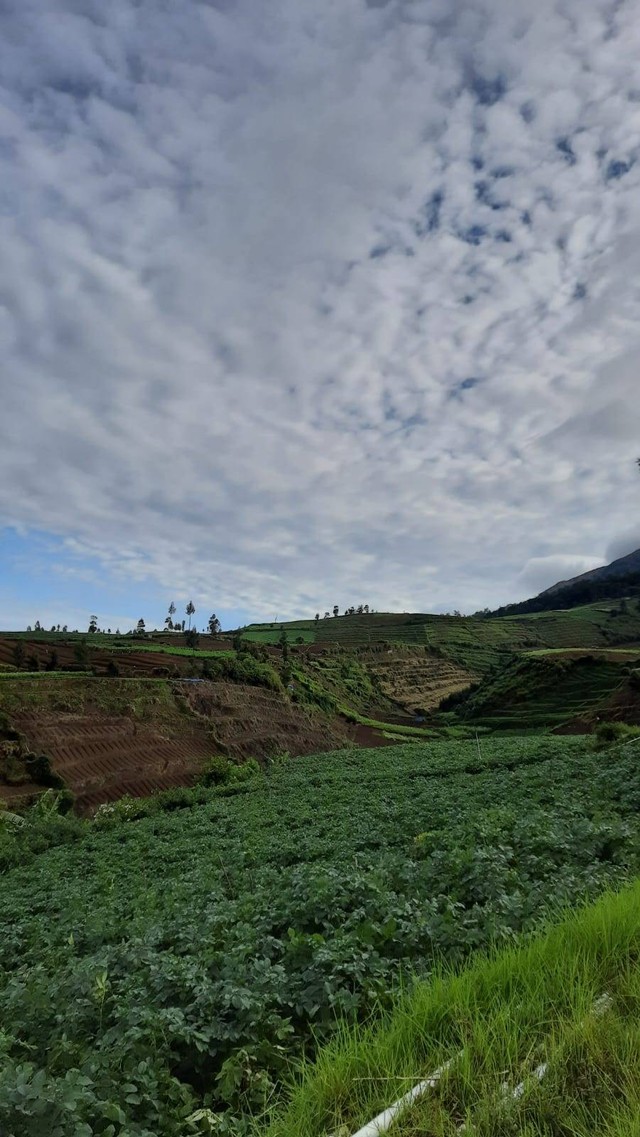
505 1014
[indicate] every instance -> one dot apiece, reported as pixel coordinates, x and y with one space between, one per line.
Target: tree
214 625
140 627
64 628
191 637
317 617
190 609
365 609
28 627
169 619
336 610
326 615
37 627
93 624
18 655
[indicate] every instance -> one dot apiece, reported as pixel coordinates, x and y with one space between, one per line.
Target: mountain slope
622 567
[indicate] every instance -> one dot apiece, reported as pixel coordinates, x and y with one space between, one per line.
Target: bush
38 767
608 733
217 771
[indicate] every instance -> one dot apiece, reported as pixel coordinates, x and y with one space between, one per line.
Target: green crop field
474 642
171 957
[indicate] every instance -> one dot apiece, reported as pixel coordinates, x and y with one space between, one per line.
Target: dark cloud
248 252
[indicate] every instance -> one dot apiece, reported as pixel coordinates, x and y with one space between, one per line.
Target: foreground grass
503 1017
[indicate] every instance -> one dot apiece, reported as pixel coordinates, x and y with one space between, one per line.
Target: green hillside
474 642
544 690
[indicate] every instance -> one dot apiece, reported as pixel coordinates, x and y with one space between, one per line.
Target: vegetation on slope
474 642
541 691
152 968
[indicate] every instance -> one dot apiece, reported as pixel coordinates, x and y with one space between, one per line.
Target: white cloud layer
321 299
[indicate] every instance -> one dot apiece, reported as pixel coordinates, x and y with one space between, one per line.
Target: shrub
217 771
38 767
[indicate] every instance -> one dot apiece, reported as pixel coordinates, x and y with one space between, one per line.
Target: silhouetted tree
190 609
317 617
336 610
191 637
140 627
93 624
214 625
37 627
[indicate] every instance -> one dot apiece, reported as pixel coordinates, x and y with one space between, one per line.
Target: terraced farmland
473 642
417 680
108 738
544 692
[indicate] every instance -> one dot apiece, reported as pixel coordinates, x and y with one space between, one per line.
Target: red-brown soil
130 664
103 743
101 757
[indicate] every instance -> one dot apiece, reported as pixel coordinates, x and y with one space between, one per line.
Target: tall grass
503 1016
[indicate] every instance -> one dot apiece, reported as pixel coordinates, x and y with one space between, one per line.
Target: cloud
321 301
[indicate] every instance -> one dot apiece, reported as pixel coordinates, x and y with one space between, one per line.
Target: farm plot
101 757
155 968
108 738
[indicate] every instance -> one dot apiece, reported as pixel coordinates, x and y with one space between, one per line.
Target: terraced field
545 691
101 758
131 659
473 642
108 738
417 680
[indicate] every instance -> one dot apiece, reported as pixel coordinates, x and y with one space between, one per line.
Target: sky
315 302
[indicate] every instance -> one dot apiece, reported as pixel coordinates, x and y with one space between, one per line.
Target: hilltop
618 580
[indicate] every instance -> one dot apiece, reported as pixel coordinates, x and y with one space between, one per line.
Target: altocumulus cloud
321 298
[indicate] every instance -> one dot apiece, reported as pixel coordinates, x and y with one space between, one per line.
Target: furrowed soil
109 738
417 680
129 662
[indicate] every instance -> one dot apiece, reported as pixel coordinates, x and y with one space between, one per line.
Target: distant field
475 643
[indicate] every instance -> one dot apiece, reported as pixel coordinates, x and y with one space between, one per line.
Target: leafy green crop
169 967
